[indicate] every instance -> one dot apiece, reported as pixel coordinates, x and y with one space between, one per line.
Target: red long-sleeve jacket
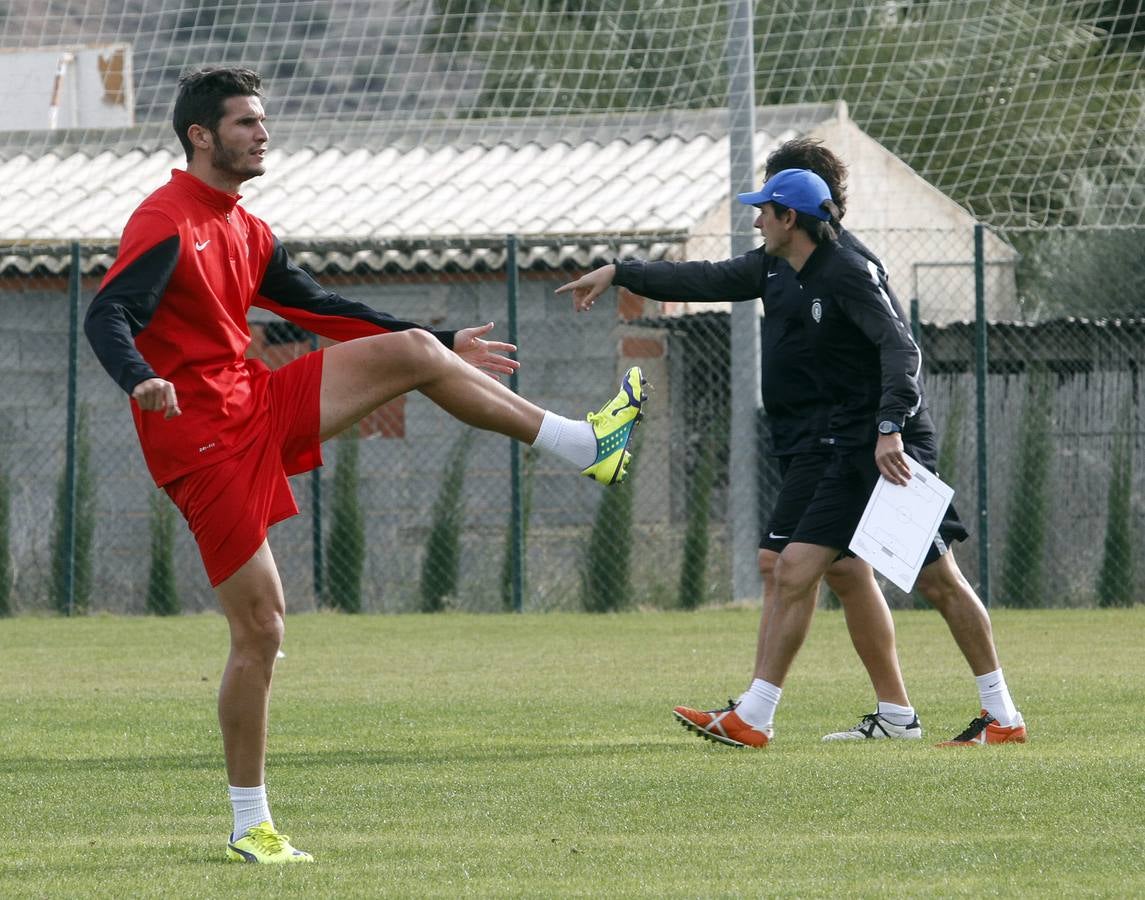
174 305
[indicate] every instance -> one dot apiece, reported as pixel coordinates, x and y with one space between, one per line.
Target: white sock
569 439
995 697
250 806
757 704
895 714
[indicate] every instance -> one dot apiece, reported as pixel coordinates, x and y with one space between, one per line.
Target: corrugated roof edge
441 254
296 134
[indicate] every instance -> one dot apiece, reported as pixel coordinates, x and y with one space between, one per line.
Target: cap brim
752 198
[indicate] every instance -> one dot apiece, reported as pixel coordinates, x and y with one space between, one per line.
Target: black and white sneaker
873 727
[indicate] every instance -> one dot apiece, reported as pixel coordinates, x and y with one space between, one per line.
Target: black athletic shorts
800 477
833 514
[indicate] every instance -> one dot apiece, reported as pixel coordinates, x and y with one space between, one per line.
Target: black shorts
834 512
800 478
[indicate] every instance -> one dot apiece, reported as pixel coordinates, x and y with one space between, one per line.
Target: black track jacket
868 362
794 396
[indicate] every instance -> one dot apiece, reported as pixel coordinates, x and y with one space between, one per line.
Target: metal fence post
316 521
516 475
746 398
69 511
981 371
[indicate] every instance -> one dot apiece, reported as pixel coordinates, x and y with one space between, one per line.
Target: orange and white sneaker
986 730
722 725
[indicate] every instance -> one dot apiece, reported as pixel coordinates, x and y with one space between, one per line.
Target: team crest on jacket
816 310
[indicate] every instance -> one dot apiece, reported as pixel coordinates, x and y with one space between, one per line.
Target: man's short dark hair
808 153
202 95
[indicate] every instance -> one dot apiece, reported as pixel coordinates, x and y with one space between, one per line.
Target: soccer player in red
221 433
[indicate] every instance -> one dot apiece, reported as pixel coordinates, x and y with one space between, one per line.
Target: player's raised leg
358 376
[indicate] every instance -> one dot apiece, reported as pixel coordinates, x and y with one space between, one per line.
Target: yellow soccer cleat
613 428
262 844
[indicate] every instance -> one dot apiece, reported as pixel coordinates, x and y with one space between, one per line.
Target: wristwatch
888 427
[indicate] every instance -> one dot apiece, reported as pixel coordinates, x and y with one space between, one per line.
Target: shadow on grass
414 756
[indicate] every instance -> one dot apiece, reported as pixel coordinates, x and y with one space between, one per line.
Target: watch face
887 428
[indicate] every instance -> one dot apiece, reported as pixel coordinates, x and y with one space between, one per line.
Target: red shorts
230 505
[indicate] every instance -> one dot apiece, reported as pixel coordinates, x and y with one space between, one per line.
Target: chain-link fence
414 511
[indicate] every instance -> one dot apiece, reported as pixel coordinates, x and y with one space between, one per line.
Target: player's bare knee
938 585
843 572
414 350
767 562
260 637
793 579
422 348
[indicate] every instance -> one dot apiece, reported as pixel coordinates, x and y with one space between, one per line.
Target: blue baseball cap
800 189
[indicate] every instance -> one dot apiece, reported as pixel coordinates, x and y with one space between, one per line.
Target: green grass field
536 756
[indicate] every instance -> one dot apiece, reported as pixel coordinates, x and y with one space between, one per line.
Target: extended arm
291 293
288 291
740 278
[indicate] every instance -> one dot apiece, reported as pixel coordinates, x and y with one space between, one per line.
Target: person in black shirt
870 370
797 418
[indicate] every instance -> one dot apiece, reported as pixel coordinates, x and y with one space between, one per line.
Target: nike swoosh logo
202 246
772 274
778 537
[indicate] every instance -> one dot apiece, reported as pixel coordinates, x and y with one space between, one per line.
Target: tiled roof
410 207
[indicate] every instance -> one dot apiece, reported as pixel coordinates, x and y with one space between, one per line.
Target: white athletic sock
250 806
895 714
995 697
569 439
757 704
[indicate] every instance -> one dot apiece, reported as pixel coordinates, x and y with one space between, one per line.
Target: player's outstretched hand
588 287
489 356
155 394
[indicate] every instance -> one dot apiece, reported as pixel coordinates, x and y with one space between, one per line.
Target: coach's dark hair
201 97
819 230
808 153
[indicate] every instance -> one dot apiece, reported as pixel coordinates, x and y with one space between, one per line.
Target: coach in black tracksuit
797 414
840 343
870 368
